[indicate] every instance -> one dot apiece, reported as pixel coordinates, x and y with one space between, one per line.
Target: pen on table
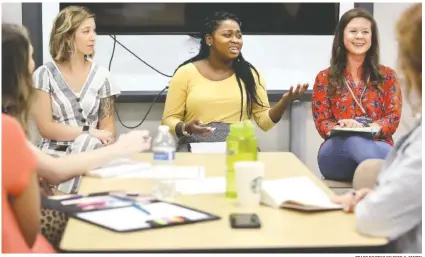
137 206
73 197
65 197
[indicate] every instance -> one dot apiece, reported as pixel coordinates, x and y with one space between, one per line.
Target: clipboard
369 132
128 215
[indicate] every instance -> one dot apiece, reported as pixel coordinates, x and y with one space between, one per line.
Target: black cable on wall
156 97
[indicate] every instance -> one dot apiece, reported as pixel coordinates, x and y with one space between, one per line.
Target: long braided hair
241 67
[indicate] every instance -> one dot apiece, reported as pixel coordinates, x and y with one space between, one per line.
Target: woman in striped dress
74 108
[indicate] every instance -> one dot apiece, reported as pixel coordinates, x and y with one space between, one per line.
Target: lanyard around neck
358 102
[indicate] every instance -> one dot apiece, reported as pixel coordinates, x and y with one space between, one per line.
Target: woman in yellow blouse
219 87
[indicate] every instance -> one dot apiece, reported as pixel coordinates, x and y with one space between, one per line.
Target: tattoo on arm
106 107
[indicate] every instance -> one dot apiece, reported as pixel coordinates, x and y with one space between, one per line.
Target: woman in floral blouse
355 92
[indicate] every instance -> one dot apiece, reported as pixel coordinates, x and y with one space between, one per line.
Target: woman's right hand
194 127
134 141
349 123
103 135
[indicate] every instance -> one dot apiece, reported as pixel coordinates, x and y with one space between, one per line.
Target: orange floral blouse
384 108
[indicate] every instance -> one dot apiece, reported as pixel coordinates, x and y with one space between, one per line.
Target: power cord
146 115
156 97
135 55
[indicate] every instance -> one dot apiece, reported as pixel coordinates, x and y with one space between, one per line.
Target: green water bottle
250 141
234 150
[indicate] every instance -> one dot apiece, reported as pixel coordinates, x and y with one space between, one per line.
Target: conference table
282 230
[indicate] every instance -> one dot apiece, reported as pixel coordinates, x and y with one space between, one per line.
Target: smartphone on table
244 220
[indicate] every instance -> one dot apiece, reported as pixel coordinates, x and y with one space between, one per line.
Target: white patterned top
68 107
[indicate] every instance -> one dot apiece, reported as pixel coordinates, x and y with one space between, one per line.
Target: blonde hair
17 87
409 37
64 26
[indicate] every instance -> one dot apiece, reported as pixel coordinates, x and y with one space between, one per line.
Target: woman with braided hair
219 87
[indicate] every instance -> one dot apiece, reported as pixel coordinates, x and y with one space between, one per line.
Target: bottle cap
164 128
248 128
236 129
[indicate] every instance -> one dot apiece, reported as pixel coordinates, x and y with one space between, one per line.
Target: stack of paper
210 147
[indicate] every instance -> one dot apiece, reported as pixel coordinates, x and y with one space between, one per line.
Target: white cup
249 175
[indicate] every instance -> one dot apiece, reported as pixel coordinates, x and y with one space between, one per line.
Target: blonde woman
74 109
20 159
393 209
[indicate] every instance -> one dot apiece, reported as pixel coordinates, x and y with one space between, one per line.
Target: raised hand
295 94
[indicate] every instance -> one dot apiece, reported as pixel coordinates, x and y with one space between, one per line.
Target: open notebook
296 193
366 131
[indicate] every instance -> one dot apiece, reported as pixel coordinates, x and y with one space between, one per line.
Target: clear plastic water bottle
164 149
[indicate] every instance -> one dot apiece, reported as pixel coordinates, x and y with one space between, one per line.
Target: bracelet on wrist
184 132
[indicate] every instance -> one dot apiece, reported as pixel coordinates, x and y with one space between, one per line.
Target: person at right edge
393 208
356 91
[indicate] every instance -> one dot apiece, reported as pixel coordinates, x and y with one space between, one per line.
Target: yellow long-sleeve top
191 96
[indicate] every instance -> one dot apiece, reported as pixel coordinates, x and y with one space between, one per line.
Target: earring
69 47
209 44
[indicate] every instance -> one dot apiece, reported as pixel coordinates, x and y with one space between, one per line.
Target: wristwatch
86 128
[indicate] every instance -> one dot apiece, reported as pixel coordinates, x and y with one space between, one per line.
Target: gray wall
11 13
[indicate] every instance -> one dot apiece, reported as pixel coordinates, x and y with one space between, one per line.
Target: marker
65 197
137 206
92 204
73 197
132 194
